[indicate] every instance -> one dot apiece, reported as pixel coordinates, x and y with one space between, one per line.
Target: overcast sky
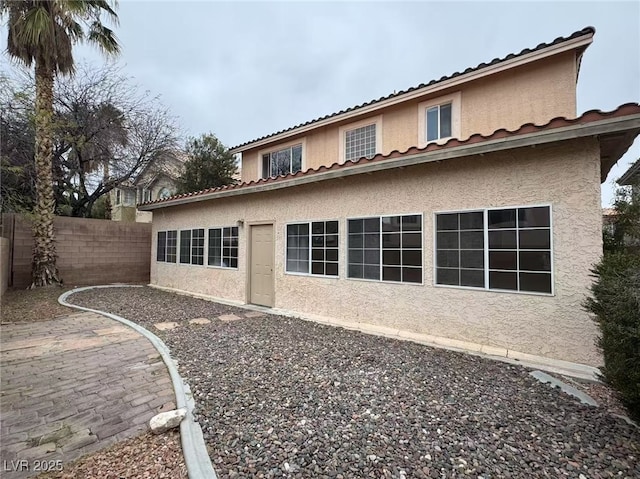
242 70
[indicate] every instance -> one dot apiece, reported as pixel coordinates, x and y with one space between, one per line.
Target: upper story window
125 197
146 195
439 122
282 162
439 119
164 193
360 142
362 139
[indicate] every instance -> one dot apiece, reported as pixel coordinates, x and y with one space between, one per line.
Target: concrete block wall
5 255
90 251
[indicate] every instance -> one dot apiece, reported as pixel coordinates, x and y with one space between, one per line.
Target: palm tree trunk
44 270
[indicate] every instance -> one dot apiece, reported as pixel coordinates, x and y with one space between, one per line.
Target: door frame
249 225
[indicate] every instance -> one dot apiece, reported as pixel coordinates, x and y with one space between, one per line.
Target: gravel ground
281 397
40 304
148 456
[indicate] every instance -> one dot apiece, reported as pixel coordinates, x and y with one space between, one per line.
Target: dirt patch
26 305
143 456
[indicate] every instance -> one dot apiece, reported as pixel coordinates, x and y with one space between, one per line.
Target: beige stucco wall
536 92
565 175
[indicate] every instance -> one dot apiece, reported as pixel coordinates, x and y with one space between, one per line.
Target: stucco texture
565 175
531 93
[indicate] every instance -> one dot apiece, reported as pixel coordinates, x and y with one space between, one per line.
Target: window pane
502 239
296 162
448 258
303 254
185 246
391 257
372 225
331 241
412 223
331 254
447 240
412 258
356 256
161 247
317 227
372 240
533 217
371 272
448 276
471 277
447 221
412 275
391 274
503 280
536 282
355 271
472 221
172 245
331 269
266 166
411 240
535 239
472 259
372 256
317 254
356 241
445 120
317 241
502 260
535 260
391 240
233 263
332 227
360 142
356 226
471 239
432 124
317 267
391 223
502 219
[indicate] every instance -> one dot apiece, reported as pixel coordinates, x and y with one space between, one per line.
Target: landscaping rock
199 321
167 420
166 326
228 317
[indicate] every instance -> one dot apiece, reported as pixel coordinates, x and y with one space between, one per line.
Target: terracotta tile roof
580 33
588 117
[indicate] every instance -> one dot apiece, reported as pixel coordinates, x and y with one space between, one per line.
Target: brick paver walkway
73 385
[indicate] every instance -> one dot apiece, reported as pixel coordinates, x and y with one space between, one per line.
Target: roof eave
601 127
581 42
631 176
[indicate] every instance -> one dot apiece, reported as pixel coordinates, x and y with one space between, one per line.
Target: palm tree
43 33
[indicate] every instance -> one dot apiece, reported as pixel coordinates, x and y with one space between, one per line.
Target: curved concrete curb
194 449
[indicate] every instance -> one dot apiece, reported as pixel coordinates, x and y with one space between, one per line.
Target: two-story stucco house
156 180
465 209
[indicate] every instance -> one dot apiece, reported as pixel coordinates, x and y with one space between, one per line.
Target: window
167 243
498 249
282 162
163 193
312 248
223 247
439 119
439 122
129 197
146 195
118 197
360 142
192 246
387 248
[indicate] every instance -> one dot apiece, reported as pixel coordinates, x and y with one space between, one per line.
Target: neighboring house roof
616 130
632 175
169 164
587 32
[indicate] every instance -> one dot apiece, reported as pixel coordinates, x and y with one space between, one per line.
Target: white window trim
295 273
282 146
342 132
455 100
422 249
486 250
206 247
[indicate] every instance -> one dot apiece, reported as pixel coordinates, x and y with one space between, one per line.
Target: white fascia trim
574 131
464 78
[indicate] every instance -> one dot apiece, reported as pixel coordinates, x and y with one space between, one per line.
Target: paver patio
74 385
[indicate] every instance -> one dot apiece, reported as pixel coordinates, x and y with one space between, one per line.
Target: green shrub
615 302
